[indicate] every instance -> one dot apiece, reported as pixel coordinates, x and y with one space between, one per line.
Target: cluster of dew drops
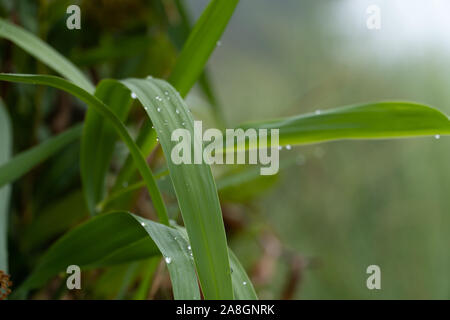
159 99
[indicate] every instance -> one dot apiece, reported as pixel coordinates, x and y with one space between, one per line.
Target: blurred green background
341 206
349 204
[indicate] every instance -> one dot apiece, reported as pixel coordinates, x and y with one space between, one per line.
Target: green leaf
101 241
380 120
242 286
5 153
194 186
117 238
177 256
98 140
43 52
201 43
121 130
25 161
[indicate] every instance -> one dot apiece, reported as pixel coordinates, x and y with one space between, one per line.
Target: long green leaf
98 140
46 54
201 43
194 186
5 153
119 237
121 130
380 120
23 162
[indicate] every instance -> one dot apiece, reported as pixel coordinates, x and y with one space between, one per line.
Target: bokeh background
335 208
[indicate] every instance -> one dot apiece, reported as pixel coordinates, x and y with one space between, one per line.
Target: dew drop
244 283
219 43
158 109
288 147
133 95
143 224
177 111
189 248
168 260
318 112
438 136
166 93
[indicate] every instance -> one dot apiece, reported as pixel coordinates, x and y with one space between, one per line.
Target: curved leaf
121 130
119 237
379 120
242 286
46 54
194 186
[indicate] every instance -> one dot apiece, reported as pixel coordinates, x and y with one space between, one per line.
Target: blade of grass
5 153
50 223
25 161
194 186
43 52
242 286
98 140
380 120
121 130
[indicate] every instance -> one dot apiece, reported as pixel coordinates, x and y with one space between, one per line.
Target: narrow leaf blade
382 120
43 52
